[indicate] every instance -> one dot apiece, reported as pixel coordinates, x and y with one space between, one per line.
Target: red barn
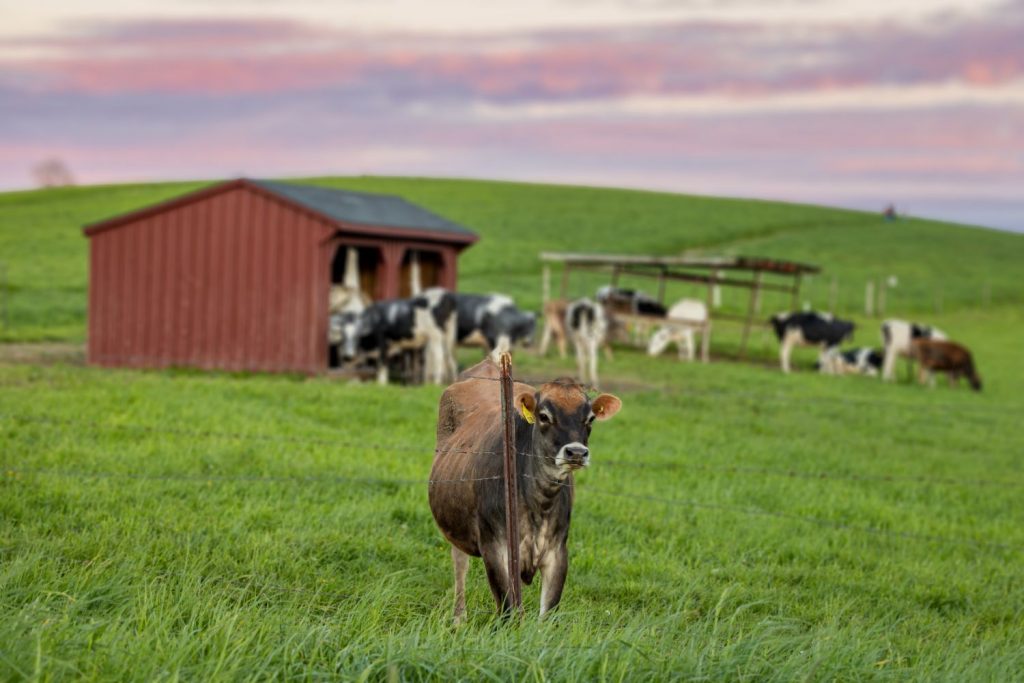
237 276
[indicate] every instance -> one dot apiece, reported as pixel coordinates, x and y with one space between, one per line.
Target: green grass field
735 524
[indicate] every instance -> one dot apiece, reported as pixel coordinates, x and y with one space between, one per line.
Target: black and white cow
860 361
587 325
808 328
492 321
387 328
898 336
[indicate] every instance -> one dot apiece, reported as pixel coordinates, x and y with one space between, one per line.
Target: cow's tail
972 374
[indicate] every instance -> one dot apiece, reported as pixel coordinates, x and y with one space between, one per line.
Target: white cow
587 325
898 337
683 318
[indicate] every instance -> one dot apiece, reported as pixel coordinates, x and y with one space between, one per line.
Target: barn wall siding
233 282
236 280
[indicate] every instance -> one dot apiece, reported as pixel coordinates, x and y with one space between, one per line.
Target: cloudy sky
848 102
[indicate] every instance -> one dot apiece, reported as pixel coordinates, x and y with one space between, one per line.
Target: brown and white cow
466 482
898 337
935 355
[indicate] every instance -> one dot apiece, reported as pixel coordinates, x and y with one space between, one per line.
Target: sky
858 103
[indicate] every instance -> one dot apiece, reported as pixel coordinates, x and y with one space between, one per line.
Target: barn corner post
515 589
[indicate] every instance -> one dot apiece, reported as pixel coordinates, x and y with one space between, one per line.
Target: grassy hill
735 523
939 266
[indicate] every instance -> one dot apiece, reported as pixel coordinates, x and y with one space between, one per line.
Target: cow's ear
526 403
605 406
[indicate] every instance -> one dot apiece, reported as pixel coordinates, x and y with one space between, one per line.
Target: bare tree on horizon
52 172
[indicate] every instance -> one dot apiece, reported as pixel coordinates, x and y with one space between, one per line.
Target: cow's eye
544 418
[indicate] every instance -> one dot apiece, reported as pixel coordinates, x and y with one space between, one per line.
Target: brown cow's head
562 416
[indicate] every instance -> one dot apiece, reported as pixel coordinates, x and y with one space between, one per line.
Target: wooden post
705 331
716 292
882 286
755 303
515 589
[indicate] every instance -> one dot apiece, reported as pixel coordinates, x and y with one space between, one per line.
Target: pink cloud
236 56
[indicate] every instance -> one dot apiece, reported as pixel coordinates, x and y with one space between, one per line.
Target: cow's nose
576 452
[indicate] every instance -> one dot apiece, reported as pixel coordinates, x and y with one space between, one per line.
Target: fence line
818 521
963 408
674 465
677 502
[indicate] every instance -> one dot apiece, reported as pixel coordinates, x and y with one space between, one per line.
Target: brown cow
944 356
466 482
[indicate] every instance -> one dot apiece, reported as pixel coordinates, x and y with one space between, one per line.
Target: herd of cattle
429 326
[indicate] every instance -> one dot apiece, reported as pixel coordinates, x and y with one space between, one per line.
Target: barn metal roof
375 214
364 208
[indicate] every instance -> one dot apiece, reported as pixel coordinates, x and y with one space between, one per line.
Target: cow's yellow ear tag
527 414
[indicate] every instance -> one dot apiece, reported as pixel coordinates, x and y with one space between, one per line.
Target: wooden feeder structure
754 274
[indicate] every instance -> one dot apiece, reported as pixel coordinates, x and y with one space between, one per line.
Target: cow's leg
449 349
581 358
608 354
545 337
497 576
382 359
460 562
553 569
784 351
593 350
889 364
438 364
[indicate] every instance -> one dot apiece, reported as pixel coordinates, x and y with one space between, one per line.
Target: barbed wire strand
952 540
323 441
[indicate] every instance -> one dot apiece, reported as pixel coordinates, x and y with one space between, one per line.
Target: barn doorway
368 261
369 265
429 264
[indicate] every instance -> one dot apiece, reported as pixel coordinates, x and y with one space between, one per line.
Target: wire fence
15 472
654 460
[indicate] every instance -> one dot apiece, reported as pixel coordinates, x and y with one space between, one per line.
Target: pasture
735 524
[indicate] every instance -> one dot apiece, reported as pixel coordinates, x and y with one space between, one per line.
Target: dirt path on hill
43 353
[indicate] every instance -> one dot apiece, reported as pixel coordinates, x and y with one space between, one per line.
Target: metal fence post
515 589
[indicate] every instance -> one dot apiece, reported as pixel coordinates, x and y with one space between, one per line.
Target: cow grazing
808 328
388 328
492 321
684 316
467 498
860 361
587 325
630 301
935 355
898 337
